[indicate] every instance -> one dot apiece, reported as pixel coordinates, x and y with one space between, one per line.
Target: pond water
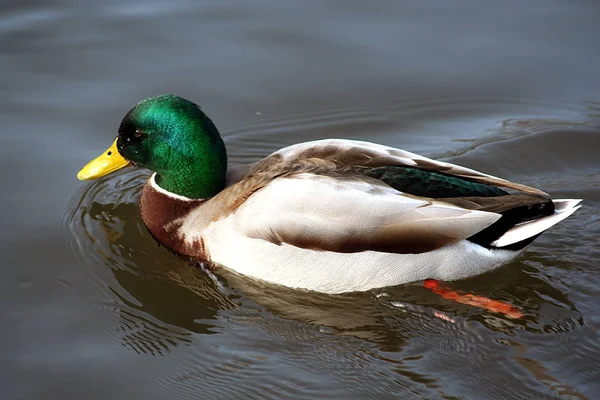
91 307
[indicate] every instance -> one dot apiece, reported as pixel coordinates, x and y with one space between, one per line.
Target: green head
174 138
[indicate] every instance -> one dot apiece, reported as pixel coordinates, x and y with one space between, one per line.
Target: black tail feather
509 219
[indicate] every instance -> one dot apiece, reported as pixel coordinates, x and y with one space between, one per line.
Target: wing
353 214
365 154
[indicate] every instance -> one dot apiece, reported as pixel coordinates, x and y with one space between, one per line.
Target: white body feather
344 272
334 210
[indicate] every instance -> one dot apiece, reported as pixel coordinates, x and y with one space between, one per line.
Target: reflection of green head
173 137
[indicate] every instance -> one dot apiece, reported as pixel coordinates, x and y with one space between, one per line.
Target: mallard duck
330 215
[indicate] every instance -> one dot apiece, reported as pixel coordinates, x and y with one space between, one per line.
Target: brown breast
163 216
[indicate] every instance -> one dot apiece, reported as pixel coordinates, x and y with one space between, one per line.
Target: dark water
91 307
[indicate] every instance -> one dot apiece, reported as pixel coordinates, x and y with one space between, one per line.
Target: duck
331 215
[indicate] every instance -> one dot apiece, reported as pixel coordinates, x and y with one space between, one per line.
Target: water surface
91 307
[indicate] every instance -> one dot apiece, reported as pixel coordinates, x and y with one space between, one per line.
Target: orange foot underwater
472 300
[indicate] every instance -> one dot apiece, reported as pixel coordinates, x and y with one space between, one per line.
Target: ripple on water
447 123
158 299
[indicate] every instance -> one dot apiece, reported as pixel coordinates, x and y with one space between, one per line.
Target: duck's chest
164 213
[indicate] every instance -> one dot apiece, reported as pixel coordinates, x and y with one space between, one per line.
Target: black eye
138 133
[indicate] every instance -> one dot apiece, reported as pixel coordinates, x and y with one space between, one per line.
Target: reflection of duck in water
161 306
331 216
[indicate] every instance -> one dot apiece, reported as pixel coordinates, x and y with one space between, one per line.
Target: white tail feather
561 205
525 230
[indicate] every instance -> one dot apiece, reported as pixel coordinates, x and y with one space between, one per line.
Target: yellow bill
109 161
